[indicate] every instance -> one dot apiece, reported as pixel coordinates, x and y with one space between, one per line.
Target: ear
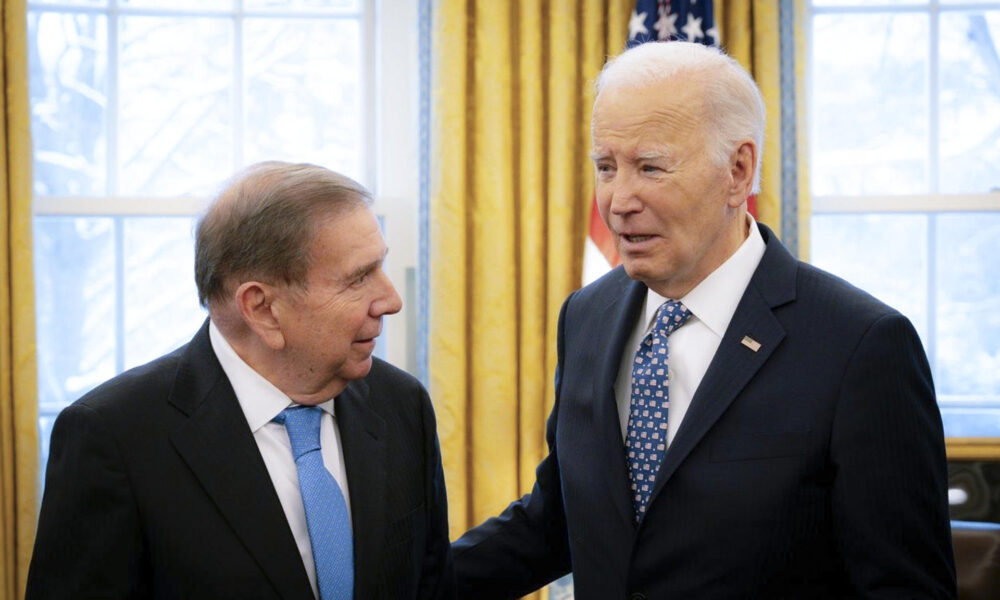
253 301
742 168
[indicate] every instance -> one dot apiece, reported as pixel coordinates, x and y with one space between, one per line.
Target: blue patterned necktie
646 441
326 510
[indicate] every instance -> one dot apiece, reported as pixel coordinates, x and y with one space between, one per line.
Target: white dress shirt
261 402
712 304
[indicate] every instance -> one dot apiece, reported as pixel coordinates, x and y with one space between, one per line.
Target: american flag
652 21
664 20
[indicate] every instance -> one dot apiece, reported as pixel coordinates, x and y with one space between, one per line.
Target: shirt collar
714 300
260 400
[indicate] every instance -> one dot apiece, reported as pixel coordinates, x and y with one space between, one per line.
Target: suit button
637 596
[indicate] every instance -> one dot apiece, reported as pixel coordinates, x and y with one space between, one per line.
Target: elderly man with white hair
729 422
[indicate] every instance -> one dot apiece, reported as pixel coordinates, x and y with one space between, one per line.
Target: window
904 117
141 108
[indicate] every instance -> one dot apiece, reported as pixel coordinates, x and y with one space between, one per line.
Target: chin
358 369
635 270
647 274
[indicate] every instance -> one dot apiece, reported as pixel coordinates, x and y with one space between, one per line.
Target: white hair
734 103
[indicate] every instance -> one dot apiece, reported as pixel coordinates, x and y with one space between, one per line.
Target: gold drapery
18 386
750 32
511 189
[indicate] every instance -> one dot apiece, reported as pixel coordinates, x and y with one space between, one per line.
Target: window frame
931 204
389 137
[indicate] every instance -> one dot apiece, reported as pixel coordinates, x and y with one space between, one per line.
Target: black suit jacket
156 489
811 468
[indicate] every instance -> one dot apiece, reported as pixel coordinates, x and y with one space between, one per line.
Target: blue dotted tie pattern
646 439
326 510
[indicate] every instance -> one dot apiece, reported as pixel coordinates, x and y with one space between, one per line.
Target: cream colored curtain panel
511 192
18 397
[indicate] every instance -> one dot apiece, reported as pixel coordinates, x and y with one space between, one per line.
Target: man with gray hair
272 456
729 422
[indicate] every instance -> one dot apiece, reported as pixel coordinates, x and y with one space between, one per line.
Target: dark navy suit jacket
813 467
156 489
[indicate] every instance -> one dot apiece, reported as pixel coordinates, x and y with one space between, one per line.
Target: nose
388 301
622 196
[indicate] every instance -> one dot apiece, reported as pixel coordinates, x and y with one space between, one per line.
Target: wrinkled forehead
668 107
680 89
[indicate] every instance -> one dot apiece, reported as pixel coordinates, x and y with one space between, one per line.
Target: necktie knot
302 424
671 315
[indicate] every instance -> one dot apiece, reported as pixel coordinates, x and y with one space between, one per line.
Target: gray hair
734 102
263 223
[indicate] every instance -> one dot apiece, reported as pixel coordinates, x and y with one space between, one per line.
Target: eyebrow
652 155
368 267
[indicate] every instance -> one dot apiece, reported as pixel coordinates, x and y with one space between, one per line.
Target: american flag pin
751 343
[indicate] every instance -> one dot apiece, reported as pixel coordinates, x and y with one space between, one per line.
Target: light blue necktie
326 511
646 440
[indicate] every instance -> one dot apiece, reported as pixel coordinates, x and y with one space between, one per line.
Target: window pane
175 126
869 111
339 5
886 255
304 92
75 307
968 309
866 3
180 4
161 301
883 254
71 2
68 64
78 296
970 102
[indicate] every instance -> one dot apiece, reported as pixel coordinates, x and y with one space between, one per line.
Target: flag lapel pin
751 343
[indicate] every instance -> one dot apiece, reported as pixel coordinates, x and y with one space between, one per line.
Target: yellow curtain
511 189
18 388
751 34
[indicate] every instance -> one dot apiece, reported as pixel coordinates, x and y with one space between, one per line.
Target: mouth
367 341
365 347
635 238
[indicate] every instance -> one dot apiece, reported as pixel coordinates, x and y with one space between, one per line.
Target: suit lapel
734 364
617 320
218 447
362 436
